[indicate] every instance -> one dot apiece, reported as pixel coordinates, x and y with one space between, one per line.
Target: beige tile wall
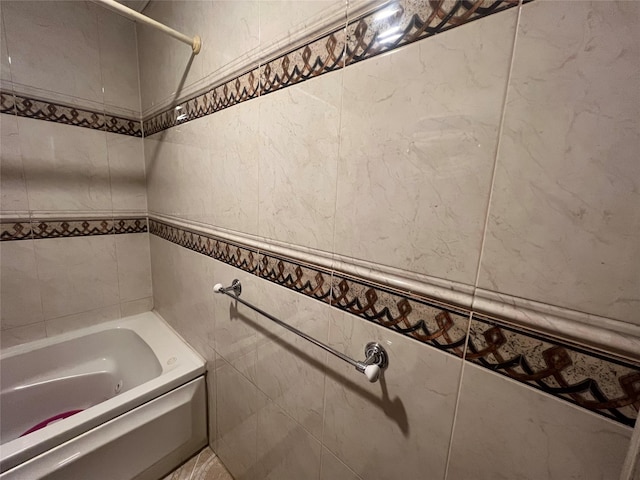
77 53
392 161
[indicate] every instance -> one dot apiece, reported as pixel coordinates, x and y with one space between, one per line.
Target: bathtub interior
70 376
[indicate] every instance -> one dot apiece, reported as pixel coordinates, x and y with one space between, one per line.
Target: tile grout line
497 152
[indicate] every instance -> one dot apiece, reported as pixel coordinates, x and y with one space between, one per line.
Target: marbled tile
311 60
5 66
20 303
400 426
163 263
441 327
605 386
233 152
18 229
49 228
419 129
13 188
238 402
118 61
136 306
129 225
299 130
236 90
76 274
126 171
564 219
285 451
19 335
283 20
400 22
506 431
55 112
303 278
55 46
289 369
65 168
134 266
57 326
334 469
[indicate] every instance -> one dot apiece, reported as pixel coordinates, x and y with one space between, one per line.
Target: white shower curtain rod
194 42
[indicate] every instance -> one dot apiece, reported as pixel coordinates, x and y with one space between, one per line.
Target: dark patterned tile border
598 383
235 91
606 386
313 59
130 225
445 329
15 230
68 115
71 228
310 280
24 229
7 102
407 21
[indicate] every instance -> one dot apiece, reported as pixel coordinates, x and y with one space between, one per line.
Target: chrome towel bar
376 357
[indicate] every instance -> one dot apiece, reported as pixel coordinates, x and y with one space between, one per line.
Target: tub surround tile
19 335
566 186
134 266
56 326
134 307
604 386
66 169
298 163
233 152
118 60
401 22
5 66
76 274
43 46
380 429
13 188
416 162
127 173
504 431
20 302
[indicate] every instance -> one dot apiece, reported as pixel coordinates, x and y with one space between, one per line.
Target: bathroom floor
203 466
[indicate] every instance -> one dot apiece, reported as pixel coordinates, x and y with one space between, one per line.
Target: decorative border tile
68 115
311 60
237 90
25 229
598 383
443 328
307 279
605 386
71 228
407 21
15 230
130 225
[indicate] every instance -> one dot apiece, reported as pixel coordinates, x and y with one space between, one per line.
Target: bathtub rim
166 345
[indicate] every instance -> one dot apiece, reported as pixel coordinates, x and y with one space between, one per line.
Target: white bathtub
139 395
